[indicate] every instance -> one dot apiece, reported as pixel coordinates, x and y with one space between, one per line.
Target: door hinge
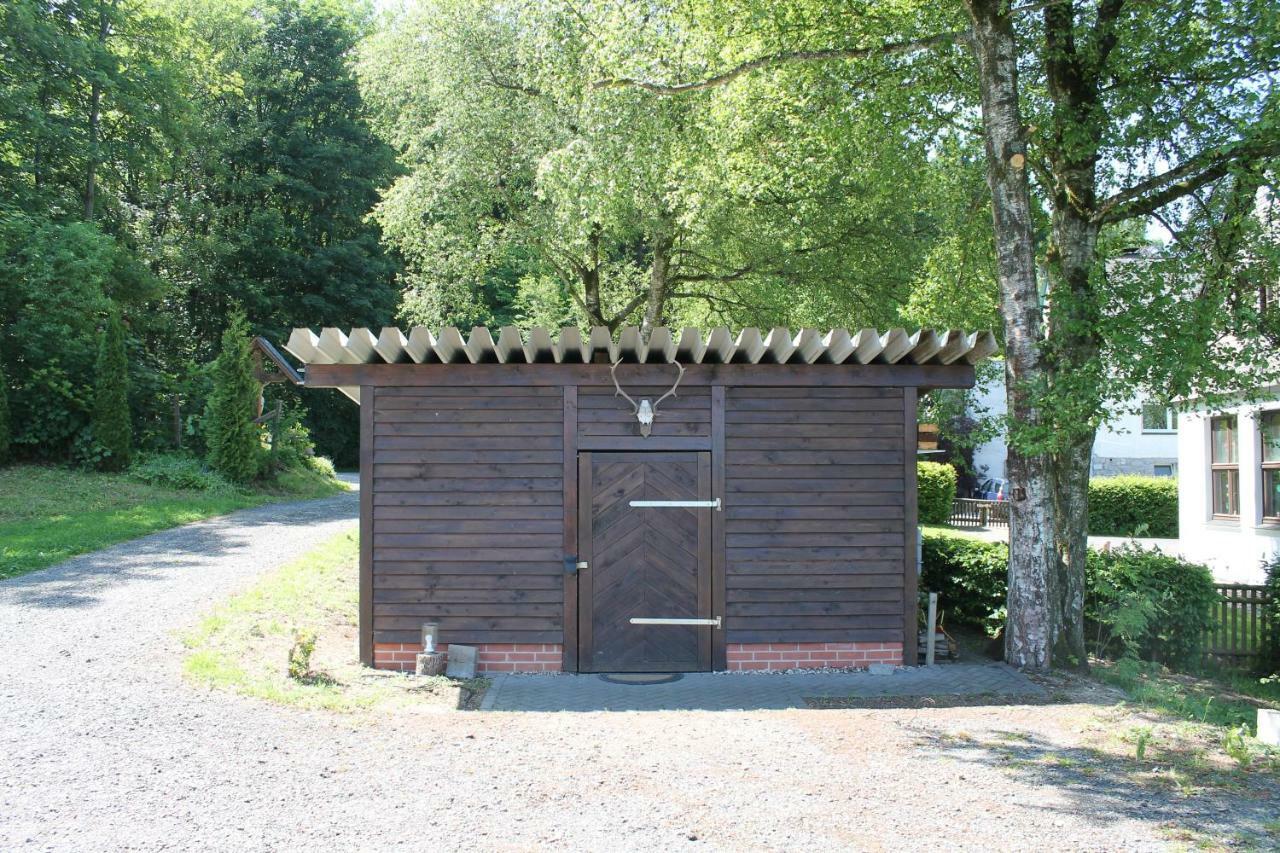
572 565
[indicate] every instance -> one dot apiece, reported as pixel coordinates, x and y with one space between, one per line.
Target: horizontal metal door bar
644 620
715 504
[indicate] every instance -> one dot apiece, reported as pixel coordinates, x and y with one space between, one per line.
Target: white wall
1233 549
1120 447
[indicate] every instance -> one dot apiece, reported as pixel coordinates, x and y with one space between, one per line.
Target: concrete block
462 661
880 669
1269 726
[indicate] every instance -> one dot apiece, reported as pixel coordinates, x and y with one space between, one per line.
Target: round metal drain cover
642 677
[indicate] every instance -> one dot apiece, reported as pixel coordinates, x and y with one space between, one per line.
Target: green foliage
234 441
970 575
1228 700
111 427
1271 569
178 471
936 491
1235 745
530 195
1140 603
304 644
4 416
1156 605
1133 506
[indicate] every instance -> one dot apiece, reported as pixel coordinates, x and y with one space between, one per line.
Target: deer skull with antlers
644 410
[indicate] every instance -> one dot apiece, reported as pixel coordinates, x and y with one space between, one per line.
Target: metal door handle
715 504
645 620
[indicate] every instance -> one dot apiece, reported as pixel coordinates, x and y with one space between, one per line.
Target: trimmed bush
1139 602
1153 605
970 575
4 417
936 491
233 439
1133 506
112 430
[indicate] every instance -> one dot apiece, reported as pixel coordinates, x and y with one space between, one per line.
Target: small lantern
429 633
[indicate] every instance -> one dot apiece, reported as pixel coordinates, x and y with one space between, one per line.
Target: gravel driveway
103 746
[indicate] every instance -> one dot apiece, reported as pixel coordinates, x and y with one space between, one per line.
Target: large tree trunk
1074 345
95 118
1032 627
659 282
1074 350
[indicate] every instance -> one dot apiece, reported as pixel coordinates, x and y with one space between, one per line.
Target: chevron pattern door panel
645 562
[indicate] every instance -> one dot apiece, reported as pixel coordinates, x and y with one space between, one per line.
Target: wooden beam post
910 565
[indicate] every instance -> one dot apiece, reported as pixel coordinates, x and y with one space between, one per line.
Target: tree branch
634 305
1155 192
788 57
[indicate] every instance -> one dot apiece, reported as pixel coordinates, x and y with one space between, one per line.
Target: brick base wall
778 656
547 657
490 657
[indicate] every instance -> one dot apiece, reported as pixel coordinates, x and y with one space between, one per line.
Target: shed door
650 563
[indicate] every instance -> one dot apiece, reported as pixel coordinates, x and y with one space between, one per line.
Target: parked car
992 489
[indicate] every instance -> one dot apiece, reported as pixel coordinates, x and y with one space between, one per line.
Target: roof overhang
925 358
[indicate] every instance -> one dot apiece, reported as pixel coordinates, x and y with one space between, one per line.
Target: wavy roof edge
664 345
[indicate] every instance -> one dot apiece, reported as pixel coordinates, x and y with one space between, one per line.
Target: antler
613 372
672 392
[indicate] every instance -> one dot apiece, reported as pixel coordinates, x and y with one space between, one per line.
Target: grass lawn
1226 698
49 514
244 644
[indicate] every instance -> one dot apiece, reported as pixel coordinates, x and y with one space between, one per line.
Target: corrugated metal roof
687 346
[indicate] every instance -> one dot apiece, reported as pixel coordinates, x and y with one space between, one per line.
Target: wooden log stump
429 663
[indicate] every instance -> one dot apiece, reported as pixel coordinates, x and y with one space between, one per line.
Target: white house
1143 442
1229 487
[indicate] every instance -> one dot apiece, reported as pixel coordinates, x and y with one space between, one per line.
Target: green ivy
935 491
1133 506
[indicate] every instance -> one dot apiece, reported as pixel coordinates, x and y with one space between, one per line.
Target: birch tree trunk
1033 612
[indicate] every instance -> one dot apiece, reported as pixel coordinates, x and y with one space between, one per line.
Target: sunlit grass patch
243 644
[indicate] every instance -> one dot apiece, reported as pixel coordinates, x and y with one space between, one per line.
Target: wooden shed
763 518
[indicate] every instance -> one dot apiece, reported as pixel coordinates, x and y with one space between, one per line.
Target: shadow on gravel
1175 788
81 581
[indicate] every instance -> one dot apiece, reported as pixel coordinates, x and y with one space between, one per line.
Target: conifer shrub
233 440
4 417
112 430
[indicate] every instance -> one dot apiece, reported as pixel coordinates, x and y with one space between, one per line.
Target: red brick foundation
547 657
777 656
490 657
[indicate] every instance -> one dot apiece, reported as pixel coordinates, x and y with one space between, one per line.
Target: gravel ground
103 746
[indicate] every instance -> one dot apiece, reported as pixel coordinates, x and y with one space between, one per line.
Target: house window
1157 418
1162 470
1269 427
1225 466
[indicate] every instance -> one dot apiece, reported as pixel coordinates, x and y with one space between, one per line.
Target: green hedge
1132 505
969 575
936 491
1144 602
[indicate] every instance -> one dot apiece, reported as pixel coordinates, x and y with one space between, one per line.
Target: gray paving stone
741 691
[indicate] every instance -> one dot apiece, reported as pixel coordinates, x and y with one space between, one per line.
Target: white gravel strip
103 746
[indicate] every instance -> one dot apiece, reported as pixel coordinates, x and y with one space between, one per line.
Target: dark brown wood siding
814 514
602 413
468 513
